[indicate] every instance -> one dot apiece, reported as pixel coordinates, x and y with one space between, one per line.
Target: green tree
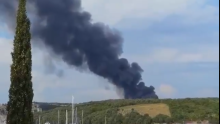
21 94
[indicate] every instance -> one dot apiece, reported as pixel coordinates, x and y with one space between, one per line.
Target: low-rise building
36 108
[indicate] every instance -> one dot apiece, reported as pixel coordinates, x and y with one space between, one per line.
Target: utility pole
82 116
66 117
76 116
105 117
58 116
39 119
72 108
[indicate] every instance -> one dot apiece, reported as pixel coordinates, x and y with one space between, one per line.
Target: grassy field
150 109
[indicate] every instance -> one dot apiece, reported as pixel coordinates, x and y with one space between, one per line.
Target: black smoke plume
67 30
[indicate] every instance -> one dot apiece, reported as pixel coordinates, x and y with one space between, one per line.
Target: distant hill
48 106
178 110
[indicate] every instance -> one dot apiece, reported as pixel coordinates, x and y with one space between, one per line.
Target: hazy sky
175 41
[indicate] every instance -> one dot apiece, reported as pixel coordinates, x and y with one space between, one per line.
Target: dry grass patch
150 109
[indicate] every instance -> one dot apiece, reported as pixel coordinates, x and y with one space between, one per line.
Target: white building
36 108
2 119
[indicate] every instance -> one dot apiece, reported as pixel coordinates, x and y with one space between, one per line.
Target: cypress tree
19 106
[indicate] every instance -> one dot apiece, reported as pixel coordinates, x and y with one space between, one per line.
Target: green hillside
141 111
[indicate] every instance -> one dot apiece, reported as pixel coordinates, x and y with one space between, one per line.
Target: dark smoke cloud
67 30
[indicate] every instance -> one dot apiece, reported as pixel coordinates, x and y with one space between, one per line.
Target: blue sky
175 41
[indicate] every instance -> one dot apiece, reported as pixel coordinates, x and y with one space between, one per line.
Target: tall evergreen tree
21 94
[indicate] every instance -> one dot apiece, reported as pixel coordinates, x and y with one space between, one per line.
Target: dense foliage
181 110
48 106
21 92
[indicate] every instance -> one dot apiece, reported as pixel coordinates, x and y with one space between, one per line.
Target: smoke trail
67 30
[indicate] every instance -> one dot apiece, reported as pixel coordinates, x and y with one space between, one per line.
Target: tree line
197 109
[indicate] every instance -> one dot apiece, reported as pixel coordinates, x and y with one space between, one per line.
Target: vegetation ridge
178 110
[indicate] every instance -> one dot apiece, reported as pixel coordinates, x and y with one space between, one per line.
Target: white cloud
5 49
4 29
202 14
207 93
114 11
81 84
166 91
99 94
74 83
174 55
